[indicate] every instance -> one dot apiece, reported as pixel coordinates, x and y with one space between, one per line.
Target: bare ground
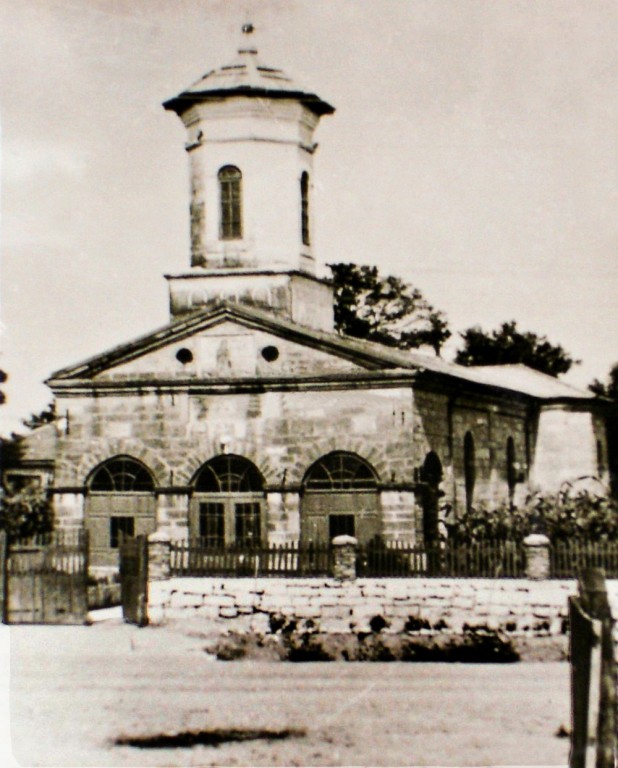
75 690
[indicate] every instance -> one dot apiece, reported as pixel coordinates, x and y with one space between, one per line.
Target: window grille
212 525
231 203
340 471
247 517
121 475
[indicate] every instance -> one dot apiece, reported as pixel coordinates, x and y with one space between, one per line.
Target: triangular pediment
229 342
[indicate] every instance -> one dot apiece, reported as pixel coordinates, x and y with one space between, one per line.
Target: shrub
565 516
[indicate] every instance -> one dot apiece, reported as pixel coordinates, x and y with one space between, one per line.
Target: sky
474 153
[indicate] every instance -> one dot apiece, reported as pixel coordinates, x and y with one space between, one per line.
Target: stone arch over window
230 200
340 497
120 501
121 474
304 208
311 451
511 467
340 470
227 506
469 461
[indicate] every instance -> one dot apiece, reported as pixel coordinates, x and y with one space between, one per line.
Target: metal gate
134 579
45 579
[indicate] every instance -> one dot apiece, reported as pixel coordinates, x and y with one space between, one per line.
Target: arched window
122 474
431 477
431 471
230 196
229 474
304 208
511 467
340 471
227 506
469 469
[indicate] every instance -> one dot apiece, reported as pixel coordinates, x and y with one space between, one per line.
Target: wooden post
593 691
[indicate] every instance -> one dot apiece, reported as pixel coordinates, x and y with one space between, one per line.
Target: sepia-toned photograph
308 383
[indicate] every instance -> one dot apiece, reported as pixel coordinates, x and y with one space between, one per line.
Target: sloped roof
369 355
528 381
246 76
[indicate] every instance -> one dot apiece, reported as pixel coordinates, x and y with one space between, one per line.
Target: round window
270 354
184 356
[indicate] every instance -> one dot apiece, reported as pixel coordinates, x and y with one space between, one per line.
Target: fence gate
134 579
45 579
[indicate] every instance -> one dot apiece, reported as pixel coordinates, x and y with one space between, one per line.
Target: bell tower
250 142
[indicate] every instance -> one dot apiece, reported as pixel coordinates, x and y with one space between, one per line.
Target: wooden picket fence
194 557
397 559
569 558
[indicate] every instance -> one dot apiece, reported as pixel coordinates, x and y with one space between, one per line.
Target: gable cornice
365 354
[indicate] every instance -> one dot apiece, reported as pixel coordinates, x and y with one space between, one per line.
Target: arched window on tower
304 208
230 196
469 469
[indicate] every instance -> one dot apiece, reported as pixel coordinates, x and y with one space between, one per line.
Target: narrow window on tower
304 207
231 204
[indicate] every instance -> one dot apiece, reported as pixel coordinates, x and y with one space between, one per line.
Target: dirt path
75 690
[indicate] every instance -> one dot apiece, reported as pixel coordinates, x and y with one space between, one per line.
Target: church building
247 418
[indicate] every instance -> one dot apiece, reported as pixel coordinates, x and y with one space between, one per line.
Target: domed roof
246 76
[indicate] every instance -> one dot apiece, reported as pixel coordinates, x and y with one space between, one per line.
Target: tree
25 512
510 345
46 416
386 310
609 389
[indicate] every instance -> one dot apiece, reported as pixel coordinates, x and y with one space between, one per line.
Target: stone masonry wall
514 606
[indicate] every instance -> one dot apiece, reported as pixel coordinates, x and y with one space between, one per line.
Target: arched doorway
340 496
120 501
228 503
431 477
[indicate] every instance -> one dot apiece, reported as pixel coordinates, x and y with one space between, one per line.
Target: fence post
537 556
595 602
159 556
344 557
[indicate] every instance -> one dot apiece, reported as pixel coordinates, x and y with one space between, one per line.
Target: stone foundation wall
514 606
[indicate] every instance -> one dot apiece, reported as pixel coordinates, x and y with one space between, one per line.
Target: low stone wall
514 606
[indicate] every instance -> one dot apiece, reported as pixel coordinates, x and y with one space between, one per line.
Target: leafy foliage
608 389
25 512
386 310
46 416
507 345
583 516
